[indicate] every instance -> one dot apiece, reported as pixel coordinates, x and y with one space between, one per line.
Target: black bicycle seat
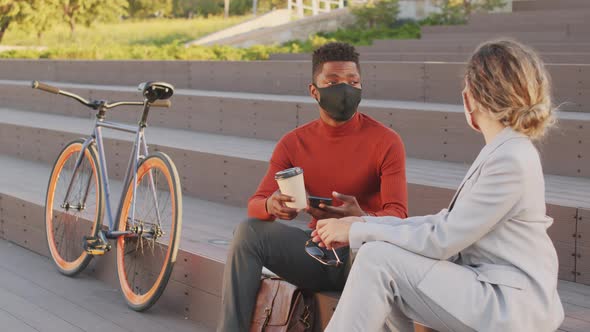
153 91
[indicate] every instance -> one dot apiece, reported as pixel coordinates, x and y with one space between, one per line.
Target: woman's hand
333 233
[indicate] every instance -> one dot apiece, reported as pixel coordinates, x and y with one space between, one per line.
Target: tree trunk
226 8
72 25
467 6
3 29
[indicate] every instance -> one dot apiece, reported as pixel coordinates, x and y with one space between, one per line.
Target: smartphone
314 201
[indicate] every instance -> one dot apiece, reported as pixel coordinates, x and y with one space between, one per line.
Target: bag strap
307 316
268 310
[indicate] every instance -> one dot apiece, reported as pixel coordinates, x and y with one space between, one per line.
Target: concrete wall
298 30
268 20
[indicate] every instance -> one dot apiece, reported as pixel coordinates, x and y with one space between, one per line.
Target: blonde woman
486 263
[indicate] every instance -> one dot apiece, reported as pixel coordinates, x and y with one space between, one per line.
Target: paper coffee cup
291 183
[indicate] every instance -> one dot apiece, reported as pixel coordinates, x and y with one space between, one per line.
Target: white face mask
469 113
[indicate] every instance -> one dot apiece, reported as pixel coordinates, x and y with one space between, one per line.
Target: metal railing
301 8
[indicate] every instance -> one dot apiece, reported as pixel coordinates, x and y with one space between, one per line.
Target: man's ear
313 92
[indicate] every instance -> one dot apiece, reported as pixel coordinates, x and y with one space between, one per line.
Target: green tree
267 5
87 12
46 15
13 11
489 5
147 8
376 13
451 12
240 7
189 8
470 6
457 11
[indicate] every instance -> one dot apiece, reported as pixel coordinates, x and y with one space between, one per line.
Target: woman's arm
496 192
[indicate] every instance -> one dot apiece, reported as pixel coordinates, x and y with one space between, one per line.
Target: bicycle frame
139 151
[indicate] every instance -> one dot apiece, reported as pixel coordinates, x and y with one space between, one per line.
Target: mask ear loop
317 89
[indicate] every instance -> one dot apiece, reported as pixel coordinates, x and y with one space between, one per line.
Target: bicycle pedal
94 246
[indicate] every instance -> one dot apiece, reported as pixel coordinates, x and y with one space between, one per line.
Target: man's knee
251 233
244 233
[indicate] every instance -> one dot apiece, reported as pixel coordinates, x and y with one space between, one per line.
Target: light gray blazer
496 227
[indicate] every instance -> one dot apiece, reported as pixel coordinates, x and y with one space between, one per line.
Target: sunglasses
317 253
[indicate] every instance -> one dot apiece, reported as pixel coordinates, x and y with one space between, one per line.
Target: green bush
376 14
453 12
190 8
367 36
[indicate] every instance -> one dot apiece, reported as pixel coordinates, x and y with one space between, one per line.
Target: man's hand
275 205
319 214
334 233
349 208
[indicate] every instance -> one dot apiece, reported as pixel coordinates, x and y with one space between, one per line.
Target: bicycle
148 222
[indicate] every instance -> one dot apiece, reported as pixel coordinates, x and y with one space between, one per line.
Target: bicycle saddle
153 91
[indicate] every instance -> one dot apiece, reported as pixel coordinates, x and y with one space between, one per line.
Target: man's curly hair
333 52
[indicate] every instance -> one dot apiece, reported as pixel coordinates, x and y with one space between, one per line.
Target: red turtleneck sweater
362 158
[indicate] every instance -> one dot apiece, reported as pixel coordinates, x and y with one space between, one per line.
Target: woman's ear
470 111
467 102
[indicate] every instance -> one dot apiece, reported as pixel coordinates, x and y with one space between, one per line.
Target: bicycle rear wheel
146 257
67 222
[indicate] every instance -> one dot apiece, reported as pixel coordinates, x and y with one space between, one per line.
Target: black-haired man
345 155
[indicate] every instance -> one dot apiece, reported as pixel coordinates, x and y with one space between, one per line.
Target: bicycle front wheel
145 257
67 221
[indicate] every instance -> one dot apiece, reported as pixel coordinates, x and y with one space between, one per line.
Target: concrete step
549 57
40 137
194 290
575 34
195 286
465 46
430 131
434 82
229 168
40 299
507 28
549 5
562 15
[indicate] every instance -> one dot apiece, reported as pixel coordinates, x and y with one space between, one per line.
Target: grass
163 39
157 32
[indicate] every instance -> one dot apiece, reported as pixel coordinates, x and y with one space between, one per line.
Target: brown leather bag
281 306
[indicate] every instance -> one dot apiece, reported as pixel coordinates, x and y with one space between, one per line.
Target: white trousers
381 294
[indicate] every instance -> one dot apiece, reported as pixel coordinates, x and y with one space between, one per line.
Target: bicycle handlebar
44 87
95 104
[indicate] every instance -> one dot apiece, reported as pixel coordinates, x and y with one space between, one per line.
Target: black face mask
340 100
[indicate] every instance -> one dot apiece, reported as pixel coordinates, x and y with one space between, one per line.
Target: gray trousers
280 248
381 293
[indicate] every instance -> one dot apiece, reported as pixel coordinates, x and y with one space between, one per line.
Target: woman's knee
398 263
385 255
374 252
370 255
